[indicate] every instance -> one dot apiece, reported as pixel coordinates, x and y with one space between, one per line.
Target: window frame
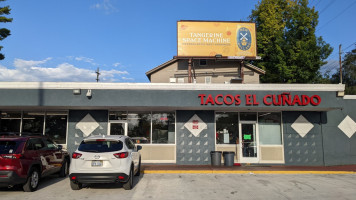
257 125
151 125
66 112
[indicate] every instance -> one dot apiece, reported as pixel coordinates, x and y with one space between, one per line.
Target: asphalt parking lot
201 186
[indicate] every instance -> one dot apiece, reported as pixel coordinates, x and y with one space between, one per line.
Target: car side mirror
139 147
60 147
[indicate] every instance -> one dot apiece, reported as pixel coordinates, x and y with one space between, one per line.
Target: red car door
53 155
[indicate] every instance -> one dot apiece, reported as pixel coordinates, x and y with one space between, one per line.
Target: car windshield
100 146
7 147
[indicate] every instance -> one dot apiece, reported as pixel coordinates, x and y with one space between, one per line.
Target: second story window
203 62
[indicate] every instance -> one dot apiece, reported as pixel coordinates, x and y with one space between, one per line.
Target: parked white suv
105 159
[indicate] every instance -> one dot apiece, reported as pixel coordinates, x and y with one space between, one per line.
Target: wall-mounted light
76 91
89 93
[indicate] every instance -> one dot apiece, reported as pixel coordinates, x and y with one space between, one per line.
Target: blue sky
67 40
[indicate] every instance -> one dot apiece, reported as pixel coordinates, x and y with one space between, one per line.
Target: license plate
96 163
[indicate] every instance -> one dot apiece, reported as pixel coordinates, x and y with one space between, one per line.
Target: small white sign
195 125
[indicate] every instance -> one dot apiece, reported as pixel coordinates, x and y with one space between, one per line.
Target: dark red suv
24 160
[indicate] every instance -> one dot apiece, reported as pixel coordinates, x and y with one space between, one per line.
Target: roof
162 66
159 67
253 67
170 86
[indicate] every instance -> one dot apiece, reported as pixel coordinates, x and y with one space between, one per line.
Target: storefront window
33 123
118 115
56 126
10 122
227 128
163 128
270 128
248 116
139 126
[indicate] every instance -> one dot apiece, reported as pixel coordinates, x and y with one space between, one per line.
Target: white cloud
85 59
19 63
116 64
127 79
29 70
106 6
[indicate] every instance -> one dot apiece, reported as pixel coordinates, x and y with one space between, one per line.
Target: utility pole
97 75
340 63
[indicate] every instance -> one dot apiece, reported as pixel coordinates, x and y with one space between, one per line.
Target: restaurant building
202 100
290 124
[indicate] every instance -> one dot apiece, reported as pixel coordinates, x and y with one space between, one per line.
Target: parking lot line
241 172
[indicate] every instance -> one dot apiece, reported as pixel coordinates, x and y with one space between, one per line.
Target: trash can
215 158
229 158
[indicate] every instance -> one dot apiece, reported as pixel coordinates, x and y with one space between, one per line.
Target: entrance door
248 143
118 127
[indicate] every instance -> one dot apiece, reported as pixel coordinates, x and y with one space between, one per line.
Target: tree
348 72
4 32
286 41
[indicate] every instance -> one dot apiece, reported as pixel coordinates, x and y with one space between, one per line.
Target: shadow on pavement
111 185
44 182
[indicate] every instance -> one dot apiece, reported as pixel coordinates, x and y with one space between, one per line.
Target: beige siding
251 77
271 154
158 153
162 76
219 71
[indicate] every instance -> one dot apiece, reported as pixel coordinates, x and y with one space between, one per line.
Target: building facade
288 124
205 70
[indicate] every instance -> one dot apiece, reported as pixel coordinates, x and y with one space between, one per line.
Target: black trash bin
229 158
215 158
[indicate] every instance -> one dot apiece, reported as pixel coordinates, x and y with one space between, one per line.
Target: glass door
118 127
248 143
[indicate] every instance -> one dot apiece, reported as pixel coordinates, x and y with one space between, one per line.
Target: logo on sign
244 39
195 125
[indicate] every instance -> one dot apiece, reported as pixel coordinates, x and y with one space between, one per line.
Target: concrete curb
241 172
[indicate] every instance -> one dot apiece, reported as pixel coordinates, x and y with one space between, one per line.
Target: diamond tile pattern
303 142
195 125
195 137
302 126
348 126
87 125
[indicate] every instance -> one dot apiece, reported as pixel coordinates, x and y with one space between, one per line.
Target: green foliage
286 41
4 32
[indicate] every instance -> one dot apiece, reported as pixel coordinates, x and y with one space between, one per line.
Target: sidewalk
245 169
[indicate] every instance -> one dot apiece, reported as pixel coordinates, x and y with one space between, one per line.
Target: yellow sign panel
196 38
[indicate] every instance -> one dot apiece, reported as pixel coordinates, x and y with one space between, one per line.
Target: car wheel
32 181
139 168
64 169
75 186
129 183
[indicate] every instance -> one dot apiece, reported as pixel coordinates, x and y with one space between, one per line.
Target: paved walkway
244 169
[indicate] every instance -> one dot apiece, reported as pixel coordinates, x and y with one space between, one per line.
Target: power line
317 3
334 54
327 6
314 2
334 64
349 46
342 12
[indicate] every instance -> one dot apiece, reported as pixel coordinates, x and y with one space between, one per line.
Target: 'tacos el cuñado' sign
284 99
